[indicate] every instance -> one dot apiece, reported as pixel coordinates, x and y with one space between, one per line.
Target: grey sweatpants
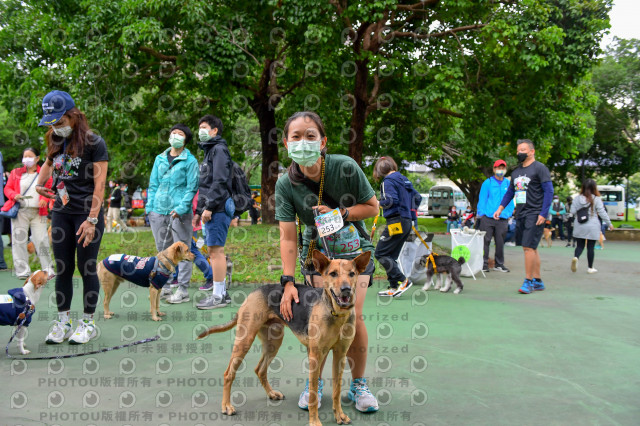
181 230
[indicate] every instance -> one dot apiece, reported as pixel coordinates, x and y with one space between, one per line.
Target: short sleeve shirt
344 181
527 185
77 175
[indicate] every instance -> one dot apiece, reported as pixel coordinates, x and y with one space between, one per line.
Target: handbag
582 215
12 213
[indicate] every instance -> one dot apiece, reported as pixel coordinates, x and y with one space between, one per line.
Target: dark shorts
216 229
528 234
371 268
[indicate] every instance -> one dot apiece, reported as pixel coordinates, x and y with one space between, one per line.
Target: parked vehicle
423 208
441 197
613 199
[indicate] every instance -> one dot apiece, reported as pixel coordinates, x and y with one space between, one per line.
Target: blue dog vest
13 305
137 269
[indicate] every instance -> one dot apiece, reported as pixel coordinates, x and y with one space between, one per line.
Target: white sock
63 316
87 317
218 288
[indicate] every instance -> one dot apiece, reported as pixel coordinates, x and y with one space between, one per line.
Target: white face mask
63 132
28 161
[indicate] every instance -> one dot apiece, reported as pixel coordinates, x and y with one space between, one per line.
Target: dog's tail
461 260
220 328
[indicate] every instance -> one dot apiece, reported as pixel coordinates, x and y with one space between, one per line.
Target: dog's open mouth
343 301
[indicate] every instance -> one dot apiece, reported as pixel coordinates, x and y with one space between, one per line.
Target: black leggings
65 245
590 249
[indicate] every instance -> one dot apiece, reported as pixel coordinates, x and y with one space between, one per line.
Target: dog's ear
362 261
320 261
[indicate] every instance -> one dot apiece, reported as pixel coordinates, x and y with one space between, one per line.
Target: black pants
65 247
590 250
569 227
254 214
556 222
388 250
494 229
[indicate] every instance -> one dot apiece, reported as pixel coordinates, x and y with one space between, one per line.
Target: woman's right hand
45 192
290 294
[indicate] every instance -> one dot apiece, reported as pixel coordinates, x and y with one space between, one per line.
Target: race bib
5 298
329 223
345 241
521 197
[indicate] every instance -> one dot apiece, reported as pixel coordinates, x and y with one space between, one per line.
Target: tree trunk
270 164
359 114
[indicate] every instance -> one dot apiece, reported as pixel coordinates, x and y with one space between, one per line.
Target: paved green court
568 355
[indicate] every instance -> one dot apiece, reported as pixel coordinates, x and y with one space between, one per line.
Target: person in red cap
491 193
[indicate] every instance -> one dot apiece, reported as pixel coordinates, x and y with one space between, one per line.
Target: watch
92 220
284 279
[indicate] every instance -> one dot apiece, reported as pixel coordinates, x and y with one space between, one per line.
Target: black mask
522 156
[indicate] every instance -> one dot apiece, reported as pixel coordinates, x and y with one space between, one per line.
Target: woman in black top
77 158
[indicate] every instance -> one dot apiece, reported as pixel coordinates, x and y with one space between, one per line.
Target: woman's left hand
322 209
86 231
42 203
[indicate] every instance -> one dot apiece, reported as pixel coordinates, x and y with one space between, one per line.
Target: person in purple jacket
531 185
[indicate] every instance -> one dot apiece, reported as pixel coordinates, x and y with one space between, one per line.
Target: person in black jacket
214 194
115 201
398 201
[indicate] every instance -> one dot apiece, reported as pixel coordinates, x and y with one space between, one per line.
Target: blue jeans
452 224
200 261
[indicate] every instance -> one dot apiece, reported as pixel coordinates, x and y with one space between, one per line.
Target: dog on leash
444 265
323 321
152 272
12 305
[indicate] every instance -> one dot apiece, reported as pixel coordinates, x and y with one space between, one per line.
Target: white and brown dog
20 302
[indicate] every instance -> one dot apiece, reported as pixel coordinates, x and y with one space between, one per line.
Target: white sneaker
85 332
404 286
303 401
389 292
574 264
59 332
165 293
179 296
591 270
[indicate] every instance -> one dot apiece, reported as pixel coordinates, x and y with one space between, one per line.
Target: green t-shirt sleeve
285 210
357 182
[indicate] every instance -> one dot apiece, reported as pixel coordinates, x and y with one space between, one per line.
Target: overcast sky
624 21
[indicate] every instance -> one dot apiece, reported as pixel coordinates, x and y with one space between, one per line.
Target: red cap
499 163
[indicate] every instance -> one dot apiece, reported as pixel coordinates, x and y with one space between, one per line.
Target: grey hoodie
589 230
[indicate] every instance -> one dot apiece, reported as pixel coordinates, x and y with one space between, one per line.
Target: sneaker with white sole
84 332
501 268
227 298
362 396
213 301
303 402
389 292
165 293
207 286
59 332
591 270
404 286
574 264
181 295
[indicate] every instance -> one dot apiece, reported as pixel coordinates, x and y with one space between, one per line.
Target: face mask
522 156
63 132
501 173
111 184
176 141
304 152
203 135
28 161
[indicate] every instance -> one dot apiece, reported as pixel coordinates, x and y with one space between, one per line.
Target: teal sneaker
303 402
538 285
362 396
527 286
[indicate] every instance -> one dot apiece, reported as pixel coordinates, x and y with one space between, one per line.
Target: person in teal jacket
172 186
491 193
557 211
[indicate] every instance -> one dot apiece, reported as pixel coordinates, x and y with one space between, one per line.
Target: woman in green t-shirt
344 185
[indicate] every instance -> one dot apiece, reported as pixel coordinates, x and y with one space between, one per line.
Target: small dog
444 265
152 272
12 305
546 235
324 320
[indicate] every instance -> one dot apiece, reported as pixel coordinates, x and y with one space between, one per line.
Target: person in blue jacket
172 186
491 193
399 202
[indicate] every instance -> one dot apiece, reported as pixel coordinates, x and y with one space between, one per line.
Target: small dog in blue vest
152 272
20 303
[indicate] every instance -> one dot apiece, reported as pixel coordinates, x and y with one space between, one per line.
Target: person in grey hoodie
589 231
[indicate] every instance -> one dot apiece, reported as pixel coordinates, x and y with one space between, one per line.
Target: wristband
346 214
284 279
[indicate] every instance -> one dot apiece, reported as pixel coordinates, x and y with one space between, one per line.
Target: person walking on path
115 202
398 198
531 185
491 194
31 216
588 232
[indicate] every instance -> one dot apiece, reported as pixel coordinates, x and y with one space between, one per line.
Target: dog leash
431 252
28 311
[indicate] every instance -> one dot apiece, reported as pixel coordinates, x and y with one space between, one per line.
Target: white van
613 199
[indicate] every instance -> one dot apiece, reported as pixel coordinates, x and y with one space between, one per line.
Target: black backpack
239 188
582 215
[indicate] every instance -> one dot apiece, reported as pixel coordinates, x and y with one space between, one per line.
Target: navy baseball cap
54 105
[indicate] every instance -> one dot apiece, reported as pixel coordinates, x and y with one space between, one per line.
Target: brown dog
152 272
324 320
546 235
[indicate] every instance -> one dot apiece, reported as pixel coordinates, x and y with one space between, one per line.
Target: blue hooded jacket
491 194
398 197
